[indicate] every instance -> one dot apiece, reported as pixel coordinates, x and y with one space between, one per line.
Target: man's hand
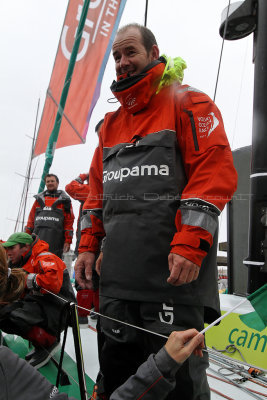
66 247
181 345
83 270
181 270
98 263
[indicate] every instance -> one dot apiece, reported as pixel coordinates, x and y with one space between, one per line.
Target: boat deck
221 376
227 377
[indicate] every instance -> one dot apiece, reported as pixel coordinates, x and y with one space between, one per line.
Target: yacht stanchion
62 376
78 350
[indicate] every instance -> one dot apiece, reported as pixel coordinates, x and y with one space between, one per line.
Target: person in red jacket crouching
28 307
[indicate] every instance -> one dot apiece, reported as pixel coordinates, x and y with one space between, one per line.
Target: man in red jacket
51 217
160 177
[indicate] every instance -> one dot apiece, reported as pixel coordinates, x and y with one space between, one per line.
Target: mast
244 18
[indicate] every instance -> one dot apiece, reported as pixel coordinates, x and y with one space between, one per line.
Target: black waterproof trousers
125 347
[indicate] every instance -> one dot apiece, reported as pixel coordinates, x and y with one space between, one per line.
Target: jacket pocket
193 126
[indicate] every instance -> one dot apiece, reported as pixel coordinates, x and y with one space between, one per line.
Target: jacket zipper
193 126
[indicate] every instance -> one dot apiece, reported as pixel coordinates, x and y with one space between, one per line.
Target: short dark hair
49 176
147 36
98 125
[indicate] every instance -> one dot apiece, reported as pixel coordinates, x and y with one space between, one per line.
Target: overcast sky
29 36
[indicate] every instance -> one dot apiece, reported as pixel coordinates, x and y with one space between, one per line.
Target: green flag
258 319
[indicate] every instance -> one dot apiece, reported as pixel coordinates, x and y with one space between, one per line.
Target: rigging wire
24 195
113 319
145 22
231 383
237 370
212 354
219 67
30 165
245 390
22 199
31 179
232 362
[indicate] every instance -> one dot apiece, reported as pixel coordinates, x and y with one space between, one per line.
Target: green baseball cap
18 237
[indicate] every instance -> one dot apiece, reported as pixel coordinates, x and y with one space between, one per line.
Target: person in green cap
16 245
27 308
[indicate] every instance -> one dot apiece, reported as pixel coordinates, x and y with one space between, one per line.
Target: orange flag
100 28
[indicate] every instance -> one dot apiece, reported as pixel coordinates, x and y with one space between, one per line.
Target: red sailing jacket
46 265
207 159
77 189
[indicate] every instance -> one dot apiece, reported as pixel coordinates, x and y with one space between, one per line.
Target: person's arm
68 228
211 182
155 378
19 380
30 223
92 229
77 189
49 275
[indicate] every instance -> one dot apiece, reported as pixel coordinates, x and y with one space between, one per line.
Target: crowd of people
146 237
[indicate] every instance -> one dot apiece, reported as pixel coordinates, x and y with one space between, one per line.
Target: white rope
211 352
112 319
156 333
125 323
208 350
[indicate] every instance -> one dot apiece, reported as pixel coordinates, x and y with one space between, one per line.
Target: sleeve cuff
88 242
195 255
31 282
166 364
192 242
